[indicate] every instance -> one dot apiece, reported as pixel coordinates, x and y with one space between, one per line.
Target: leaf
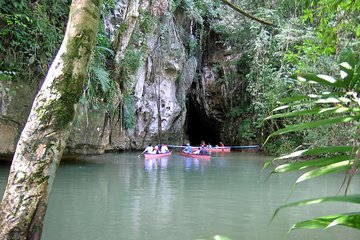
316 111
106 49
348 220
266 164
348 56
345 219
348 198
320 222
334 100
293 99
319 78
287 167
322 150
103 77
310 96
356 79
309 125
346 73
292 105
332 168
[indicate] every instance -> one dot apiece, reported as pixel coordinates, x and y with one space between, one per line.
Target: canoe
218 149
214 149
157 155
193 155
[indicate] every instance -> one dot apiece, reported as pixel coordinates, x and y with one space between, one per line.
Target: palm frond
327 108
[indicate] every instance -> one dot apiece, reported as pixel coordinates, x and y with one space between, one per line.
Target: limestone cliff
176 92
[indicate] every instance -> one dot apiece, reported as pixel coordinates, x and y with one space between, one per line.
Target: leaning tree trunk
44 137
124 34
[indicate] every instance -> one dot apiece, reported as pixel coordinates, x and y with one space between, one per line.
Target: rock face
175 91
15 104
160 88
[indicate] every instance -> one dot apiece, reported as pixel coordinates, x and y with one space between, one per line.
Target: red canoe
193 155
218 149
214 149
157 155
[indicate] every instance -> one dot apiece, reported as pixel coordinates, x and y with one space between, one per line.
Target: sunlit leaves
327 108
316 151
327 169
336 23
313 124
321 79
349 199
346 219
316 111
300 165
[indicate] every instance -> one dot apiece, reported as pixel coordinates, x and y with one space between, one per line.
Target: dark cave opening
199 127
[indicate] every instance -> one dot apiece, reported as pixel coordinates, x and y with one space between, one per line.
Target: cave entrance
199 127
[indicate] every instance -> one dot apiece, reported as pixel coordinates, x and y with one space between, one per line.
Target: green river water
119 196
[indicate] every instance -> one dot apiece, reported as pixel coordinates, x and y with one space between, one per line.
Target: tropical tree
338 105
44 137
336 25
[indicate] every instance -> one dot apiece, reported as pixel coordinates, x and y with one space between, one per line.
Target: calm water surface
122 196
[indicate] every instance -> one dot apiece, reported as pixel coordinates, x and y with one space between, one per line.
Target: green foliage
6 75
131 60
129 113
336 24
236 112
266 57
347 219
30 34
197 10
192 43
246 130
146 22
128 67
328 109
109 4
99 88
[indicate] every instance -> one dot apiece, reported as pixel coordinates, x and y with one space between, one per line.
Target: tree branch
236 8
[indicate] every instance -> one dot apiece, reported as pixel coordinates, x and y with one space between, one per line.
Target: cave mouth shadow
199 127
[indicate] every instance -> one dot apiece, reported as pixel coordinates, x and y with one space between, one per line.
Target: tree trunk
44 137
125 32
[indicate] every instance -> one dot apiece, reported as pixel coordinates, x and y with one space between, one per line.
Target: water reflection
156 163
190 163
195 164
124 197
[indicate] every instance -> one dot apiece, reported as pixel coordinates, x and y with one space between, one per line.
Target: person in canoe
164 148
159 148
201 151
149 149
188 148
156 149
